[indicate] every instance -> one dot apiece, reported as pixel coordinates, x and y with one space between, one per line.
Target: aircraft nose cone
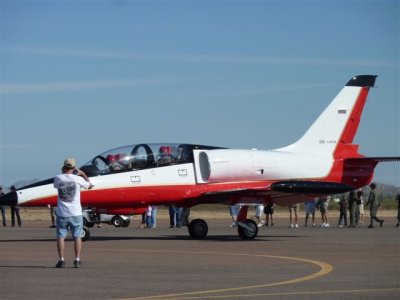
9 199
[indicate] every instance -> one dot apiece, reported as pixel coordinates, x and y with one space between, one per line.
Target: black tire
126 223
87 223
117 221
248 234
85 234
198 229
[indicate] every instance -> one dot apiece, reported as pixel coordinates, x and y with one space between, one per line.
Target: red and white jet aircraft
322 162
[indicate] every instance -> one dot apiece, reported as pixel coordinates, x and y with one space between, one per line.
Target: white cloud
194 58
14 88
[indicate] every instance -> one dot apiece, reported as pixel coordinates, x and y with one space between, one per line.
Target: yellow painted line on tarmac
325 268
305 293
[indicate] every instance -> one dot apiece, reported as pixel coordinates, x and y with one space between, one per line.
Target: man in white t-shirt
69 209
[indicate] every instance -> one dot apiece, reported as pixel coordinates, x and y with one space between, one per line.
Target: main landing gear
247 228
198 228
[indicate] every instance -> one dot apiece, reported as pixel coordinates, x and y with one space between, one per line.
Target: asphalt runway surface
165 263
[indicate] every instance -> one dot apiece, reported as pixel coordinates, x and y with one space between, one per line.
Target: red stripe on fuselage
140 196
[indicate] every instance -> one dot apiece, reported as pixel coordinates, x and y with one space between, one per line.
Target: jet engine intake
232 165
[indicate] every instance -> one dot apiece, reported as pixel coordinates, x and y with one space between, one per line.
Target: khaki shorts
294 207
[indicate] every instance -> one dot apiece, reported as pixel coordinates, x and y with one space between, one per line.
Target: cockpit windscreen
140 156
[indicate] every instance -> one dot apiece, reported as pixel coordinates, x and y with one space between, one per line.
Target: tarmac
165 263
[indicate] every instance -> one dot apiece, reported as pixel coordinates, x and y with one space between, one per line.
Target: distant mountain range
388 190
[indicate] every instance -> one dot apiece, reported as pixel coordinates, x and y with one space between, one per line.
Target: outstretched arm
79 172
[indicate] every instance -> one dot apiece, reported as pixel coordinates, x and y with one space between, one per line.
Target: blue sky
81 77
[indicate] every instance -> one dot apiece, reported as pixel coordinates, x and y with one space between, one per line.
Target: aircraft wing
281 192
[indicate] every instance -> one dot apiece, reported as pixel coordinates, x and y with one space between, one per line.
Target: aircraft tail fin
334 130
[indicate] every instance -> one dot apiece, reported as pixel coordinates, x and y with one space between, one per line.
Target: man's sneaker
296 226
290 225
77 263
370 226
60 264
381 222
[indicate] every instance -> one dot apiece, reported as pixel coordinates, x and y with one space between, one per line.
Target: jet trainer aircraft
323 161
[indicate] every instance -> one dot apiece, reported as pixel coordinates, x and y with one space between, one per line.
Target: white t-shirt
148 211
69 196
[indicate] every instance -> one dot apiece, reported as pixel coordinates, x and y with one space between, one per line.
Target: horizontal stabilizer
375 159
310 187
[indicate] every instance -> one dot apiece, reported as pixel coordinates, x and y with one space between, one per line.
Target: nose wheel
85 234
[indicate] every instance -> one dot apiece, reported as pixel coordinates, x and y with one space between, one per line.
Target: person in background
15 211
184 217
154 216
342 211
179 211
3 208
149 223
52 216
294 209
309 206
360 205
269 213
259 211
352 208
374 205
143 224
323 204
234 211
172 216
